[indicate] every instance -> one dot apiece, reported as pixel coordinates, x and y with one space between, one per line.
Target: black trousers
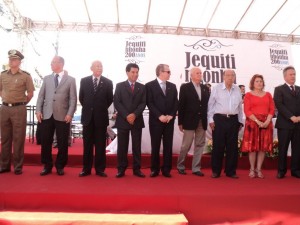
62 131
122 152
163 132
285 137
94 136
225 137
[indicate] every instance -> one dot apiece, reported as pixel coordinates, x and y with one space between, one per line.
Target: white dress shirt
225 101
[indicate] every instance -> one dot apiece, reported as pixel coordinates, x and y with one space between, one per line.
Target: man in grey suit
55 108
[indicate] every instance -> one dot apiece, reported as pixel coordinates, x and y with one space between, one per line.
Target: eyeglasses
169 72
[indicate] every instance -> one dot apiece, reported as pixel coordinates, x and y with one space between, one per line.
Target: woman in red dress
258 132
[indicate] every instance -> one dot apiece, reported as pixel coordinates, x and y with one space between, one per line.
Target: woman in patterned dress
258 132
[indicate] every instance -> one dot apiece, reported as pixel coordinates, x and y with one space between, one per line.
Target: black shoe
120 174
166 174
101 174
138 173
18 172
297 175
199 173
60 172
215 175
154 174
84 174
4 170
280 175
45 172
234 176
181 171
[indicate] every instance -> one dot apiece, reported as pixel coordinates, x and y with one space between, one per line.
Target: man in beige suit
55 108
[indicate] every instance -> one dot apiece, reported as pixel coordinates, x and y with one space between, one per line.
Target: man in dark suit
95 96
162 103
55 108
192 120
287 101
130 102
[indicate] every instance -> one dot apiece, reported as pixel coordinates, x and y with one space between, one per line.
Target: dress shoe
18 172
234 176
154 174
297 175
215 175
181 171
45 172
84 174
199 173
138 173
4 170
166 174
120 174
101 174
60 172
280 175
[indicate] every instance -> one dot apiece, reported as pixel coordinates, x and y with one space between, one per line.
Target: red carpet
202 200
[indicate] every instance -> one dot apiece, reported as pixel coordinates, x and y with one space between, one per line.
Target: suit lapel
192 87
63 80
297 90
159 87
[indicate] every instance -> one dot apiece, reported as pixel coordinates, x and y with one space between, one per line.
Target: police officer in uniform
16 90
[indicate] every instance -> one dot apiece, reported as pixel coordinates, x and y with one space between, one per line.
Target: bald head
97 68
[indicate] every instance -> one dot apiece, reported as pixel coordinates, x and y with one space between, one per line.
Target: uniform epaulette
26 72
4 71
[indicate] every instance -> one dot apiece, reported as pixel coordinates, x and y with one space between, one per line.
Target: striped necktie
95 84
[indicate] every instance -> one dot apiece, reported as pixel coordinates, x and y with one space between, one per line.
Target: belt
14 104
227 115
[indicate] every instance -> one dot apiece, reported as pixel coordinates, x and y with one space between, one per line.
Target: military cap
15 54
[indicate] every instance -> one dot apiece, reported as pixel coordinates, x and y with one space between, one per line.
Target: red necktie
132 87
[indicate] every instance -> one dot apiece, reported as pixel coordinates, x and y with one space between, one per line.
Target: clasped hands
165 118
263 124
295 119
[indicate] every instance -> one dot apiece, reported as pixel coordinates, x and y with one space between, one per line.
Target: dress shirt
162 83
98 79
198 89
225 101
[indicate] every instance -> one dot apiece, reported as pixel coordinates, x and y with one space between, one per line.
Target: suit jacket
60 101
191 109
160 104
95 103
127 102
287 106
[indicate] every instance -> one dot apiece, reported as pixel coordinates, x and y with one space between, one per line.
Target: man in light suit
130 102
162 103
55 108
192 120
95 96
287 101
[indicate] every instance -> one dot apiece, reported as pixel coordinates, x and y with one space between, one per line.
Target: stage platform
202 200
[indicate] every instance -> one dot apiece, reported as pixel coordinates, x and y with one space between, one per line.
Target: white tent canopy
275 20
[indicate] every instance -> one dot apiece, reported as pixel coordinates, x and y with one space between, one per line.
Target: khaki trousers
13 132
188 136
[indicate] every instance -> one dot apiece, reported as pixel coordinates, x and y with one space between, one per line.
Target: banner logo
213 64
135 49
279 56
